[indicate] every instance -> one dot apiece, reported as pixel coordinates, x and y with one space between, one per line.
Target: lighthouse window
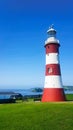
50 70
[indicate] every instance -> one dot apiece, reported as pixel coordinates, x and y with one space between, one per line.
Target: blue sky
23 26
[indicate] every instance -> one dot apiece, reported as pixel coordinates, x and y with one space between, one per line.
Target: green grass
69 97
36 116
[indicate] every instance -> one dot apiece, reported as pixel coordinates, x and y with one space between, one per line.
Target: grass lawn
36 116
69 97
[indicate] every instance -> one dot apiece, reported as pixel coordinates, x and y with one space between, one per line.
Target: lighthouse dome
51 32
52 36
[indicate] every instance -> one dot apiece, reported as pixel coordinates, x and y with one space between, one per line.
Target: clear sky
23 26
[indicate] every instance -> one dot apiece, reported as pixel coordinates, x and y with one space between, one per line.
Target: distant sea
29 91
21 91
25 92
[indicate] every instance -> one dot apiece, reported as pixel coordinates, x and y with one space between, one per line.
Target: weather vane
51 26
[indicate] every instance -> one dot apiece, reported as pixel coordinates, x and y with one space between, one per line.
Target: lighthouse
53 88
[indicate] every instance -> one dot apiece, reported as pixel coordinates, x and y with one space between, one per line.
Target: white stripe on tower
53 81
53 89
52 58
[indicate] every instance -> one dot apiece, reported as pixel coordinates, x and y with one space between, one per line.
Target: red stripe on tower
53 88
53 69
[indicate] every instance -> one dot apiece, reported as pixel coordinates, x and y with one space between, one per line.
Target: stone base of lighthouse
53 95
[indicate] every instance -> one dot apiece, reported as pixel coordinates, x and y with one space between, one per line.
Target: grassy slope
36 116
69 97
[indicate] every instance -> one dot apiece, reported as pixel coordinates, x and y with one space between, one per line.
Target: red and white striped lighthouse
53 89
